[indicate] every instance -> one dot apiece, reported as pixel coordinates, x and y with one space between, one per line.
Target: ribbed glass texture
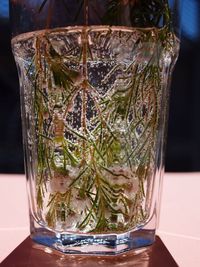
94 80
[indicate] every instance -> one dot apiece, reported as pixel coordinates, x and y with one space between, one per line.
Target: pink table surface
179 226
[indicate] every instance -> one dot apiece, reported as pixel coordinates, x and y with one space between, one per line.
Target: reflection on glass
94 79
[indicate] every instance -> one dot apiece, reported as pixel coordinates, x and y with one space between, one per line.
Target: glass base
107 244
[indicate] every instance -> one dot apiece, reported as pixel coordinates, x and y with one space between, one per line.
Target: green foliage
141 13
91 154
150 13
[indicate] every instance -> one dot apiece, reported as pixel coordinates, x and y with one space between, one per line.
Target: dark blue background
183 143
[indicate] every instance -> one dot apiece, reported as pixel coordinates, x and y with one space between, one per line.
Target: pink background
179 226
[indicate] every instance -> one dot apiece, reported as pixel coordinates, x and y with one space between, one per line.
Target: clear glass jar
94 83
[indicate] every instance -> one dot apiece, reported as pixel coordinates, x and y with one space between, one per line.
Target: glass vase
94 85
